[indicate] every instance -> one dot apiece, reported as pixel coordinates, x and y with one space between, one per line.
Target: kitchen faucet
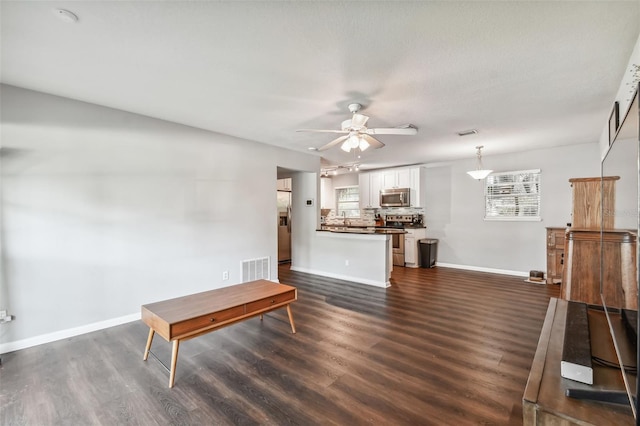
344 218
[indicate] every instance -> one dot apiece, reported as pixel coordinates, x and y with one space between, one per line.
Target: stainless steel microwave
395 197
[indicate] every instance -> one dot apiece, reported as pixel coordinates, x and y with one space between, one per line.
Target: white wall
628 84
330 183
104 210
454 210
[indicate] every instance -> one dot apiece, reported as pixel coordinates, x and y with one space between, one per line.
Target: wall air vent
256 269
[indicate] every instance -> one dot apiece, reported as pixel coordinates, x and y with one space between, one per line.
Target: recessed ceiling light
65 15
468 132
312 148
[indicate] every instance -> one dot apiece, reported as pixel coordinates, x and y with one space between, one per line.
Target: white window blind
513 195
348 201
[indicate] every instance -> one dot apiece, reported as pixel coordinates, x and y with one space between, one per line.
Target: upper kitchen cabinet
396 178
411 178
284 184
370 185
327 195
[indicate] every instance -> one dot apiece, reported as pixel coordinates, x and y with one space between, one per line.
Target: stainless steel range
399 221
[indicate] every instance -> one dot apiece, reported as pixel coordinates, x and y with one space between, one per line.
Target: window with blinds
348 201
513 195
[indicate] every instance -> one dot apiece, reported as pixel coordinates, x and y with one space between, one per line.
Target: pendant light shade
479 173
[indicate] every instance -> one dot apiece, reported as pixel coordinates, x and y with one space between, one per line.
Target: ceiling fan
357 135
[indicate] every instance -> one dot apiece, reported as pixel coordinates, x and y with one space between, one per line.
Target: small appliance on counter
417 220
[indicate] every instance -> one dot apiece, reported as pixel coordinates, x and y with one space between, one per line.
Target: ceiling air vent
468 132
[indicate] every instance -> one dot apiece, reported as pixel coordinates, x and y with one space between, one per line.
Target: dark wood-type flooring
439 347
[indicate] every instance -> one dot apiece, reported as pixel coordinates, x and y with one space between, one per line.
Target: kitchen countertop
362 230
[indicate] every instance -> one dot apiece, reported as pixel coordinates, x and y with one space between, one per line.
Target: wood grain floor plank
440 346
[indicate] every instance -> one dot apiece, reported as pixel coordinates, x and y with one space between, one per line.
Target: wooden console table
544 401
191 316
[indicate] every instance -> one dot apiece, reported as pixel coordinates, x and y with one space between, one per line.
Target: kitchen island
359 254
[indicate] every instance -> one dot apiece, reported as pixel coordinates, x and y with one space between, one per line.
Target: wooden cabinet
581 281
586 248
589 198
555 254
370 185
411 251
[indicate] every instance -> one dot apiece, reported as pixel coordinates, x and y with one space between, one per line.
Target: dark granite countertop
362 230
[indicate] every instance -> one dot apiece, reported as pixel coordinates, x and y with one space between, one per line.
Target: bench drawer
204 321
267 302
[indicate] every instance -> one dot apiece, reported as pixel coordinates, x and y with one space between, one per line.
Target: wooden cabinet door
555 255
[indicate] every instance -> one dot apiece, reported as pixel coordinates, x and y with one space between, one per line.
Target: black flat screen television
620 296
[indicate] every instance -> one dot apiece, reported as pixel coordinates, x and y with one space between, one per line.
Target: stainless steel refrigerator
284 226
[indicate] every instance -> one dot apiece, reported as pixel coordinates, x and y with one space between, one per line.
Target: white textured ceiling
525 74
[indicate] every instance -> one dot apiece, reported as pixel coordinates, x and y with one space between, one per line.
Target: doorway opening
284 220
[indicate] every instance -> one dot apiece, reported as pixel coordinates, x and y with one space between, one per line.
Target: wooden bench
191 316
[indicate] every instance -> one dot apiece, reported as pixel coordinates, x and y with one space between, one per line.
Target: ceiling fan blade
322 131
358 120
373 142
409 131
333 143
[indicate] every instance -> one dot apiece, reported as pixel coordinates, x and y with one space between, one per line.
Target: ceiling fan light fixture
356 135
354 140
479 173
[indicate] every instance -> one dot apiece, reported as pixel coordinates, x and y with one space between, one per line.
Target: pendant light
479 173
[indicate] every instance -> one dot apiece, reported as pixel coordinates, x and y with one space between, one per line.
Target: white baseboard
342 277
65 334
482 269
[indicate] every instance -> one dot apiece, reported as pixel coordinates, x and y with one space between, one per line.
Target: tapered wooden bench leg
293 326
174 361
148 347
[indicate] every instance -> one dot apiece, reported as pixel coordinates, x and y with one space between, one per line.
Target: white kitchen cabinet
411 250
417 187
372 182
389 179
327 195
403 178
370 185
284 184
396 178
411 178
